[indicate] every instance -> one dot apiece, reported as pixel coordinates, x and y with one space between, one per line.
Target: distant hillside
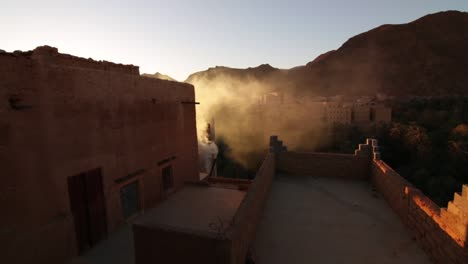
428 56
159 76
261 72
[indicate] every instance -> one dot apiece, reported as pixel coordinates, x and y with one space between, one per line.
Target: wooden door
79 208
88 208
96 206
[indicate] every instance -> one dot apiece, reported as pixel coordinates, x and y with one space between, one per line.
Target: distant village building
361 114
360 111
337 113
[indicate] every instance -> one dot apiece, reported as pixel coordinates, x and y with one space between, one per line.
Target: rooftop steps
454 221
460 202
456 214
465 191
456 210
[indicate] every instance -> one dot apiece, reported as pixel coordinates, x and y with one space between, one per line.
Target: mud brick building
85 146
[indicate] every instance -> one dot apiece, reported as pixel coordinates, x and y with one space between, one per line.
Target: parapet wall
343 166
443 238
441 232
154 243
391 186
249 214
51 56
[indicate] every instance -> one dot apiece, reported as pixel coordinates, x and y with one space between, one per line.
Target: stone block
377 155
461 202
372 142
454 209
465 191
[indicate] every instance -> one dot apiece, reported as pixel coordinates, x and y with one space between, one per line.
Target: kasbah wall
61 116
441 232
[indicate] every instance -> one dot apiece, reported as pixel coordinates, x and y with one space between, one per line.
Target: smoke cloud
247 109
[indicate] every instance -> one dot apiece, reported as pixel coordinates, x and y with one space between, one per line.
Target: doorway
88 208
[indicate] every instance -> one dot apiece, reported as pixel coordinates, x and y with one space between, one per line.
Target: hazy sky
180 37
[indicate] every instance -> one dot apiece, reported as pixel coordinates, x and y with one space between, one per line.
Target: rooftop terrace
303 208
326 220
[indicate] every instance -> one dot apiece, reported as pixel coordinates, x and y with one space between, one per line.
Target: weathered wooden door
88 208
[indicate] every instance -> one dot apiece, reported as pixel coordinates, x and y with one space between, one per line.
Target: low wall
250 211
391 186
344 166
436 235
155 243
242 184
56 237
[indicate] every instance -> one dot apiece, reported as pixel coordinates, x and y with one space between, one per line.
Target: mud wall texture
250 212
61 116
440 232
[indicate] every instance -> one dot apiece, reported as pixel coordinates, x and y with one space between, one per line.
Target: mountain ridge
159 75
424 57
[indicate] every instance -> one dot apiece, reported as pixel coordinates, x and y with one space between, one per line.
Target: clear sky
179 37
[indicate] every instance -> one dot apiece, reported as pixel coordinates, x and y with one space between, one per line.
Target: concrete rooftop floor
319 220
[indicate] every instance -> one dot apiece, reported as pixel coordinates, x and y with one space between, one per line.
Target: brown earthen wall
342 166
249 214
391 186
155 243
229 180
436 235
68 120
158 244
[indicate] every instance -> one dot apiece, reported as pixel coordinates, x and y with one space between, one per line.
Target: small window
168 181
129 199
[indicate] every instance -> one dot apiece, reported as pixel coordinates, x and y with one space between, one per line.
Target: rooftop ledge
195 209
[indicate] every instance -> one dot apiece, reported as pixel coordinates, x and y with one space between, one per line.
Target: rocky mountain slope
428 56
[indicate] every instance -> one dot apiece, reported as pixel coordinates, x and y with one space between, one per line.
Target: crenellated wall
343 166
441 233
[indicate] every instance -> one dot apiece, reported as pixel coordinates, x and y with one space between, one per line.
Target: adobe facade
84 147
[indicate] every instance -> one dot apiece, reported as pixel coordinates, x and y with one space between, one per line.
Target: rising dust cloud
246 111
